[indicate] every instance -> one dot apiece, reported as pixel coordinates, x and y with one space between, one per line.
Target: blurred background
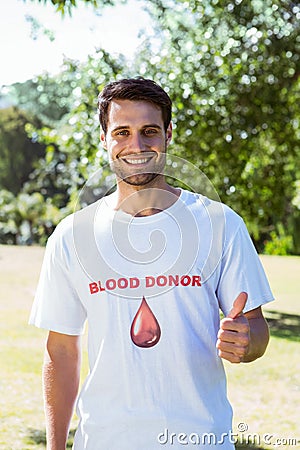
231 68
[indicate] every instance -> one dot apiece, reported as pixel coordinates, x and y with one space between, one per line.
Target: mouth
135 160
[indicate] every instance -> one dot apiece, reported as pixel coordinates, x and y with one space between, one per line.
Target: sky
117 30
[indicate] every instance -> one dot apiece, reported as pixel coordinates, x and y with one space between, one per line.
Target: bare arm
61 373
259 335
243 337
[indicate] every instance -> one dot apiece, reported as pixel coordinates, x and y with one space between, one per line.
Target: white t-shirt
151 289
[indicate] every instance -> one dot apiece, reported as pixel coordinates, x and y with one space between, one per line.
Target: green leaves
66 6
232 70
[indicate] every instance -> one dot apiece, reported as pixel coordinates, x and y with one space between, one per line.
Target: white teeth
136 161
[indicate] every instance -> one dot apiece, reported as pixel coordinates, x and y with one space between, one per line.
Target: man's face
136 141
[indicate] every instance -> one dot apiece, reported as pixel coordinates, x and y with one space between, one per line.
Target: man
149 267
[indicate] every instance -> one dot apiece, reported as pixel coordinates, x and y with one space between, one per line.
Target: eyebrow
125 127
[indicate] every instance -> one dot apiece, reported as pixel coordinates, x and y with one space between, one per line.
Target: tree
18 152
9 218
25 218
232 69
64 6
51 186
73 152
46 96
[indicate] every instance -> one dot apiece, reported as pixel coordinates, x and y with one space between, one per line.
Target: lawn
265 394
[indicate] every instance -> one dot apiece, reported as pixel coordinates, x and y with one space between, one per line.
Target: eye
122 133
150 131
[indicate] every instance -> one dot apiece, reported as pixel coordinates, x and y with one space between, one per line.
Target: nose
136 143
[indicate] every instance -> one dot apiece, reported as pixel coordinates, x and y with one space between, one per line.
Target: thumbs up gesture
234 333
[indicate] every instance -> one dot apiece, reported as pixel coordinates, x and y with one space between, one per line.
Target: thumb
238 305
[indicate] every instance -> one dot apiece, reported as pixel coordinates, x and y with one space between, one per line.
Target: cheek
111 144
114 149
157 142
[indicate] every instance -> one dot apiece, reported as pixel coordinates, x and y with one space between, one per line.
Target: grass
265 394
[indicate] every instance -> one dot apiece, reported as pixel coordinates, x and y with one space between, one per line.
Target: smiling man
136 134
137 150
137 140
149 267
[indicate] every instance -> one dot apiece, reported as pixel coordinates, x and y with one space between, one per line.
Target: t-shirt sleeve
242 271
57 306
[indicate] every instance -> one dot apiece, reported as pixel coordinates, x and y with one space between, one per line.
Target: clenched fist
234 333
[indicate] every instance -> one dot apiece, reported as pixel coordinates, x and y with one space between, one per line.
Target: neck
145 200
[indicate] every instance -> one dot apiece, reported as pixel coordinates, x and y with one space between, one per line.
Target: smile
137 161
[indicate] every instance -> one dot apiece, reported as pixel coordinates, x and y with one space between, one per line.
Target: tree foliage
73 151
47 97
232 70
18 152
25 218
64 6
69 136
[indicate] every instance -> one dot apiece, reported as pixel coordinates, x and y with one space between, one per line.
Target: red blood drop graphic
145 330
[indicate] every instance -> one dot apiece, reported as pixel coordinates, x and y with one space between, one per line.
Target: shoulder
77 223
79 218
216 210
218 222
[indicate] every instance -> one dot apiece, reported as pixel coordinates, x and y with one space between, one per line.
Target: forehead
133 113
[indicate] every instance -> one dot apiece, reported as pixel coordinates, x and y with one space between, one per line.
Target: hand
234 333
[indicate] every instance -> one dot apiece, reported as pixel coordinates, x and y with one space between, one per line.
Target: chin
140 180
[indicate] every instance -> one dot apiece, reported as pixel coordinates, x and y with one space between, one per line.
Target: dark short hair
135 89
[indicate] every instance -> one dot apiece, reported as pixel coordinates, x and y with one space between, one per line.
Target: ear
103 140
169 134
